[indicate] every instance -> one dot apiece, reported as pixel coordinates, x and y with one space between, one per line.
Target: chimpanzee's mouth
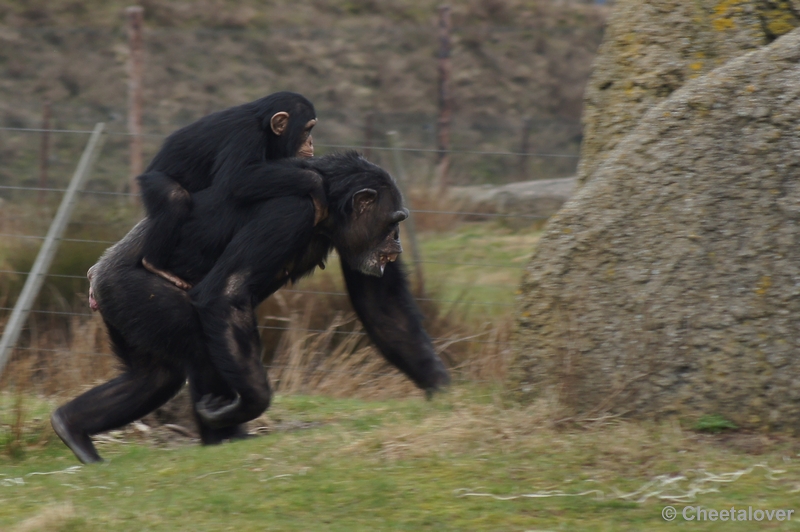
388 257
385 258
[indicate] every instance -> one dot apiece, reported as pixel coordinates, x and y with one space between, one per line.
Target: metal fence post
48 251
135 16
445 98
44 150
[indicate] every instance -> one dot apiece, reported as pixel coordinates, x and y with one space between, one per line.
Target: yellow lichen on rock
779 19
653 47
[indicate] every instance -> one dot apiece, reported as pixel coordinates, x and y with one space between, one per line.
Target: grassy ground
342 464
466 461
480 263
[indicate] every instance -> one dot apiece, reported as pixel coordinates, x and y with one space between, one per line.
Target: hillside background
512 60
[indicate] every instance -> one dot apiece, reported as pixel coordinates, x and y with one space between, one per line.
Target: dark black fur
238 257
230 152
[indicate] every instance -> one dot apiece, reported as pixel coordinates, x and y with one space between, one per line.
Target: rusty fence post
44 151
135 15
445 110
369 134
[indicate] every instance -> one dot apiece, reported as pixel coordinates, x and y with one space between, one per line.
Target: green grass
397 465
714 423
478 263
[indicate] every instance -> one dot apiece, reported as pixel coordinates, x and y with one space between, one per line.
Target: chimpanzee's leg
240 376
252 267
145 384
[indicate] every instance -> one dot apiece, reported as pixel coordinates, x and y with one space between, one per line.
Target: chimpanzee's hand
318 196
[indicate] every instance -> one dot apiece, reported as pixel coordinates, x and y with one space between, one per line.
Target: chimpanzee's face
294 130
372 238
306 148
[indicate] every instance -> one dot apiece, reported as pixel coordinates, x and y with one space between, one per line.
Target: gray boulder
524 202
670 283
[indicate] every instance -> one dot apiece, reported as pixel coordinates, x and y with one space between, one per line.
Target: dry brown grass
61 361
320 349
475 422
468 426
54 365
52 517
336 360
349 366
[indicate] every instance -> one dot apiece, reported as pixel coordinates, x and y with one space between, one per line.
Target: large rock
524 202
670 282
651 48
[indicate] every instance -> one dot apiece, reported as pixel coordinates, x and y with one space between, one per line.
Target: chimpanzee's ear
278 122
363 199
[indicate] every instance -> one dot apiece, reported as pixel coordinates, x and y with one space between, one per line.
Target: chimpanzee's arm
167 205
250 269
275 179
394 323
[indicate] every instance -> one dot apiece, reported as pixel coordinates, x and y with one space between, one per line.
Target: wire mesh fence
470 278
469 295
517 83
487 157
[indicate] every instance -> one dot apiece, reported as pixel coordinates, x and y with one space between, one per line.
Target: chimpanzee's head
371 238
287 119
365 208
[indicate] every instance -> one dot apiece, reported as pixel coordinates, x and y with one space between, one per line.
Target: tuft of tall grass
312 343
338 359
62 361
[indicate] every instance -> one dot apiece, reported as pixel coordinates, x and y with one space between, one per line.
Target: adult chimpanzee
230 150
238 257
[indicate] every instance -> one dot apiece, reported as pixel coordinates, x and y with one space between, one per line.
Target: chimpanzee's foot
209 436
92 301
174 279
212 410
80 444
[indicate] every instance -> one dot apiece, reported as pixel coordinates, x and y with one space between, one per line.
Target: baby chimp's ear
278 122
